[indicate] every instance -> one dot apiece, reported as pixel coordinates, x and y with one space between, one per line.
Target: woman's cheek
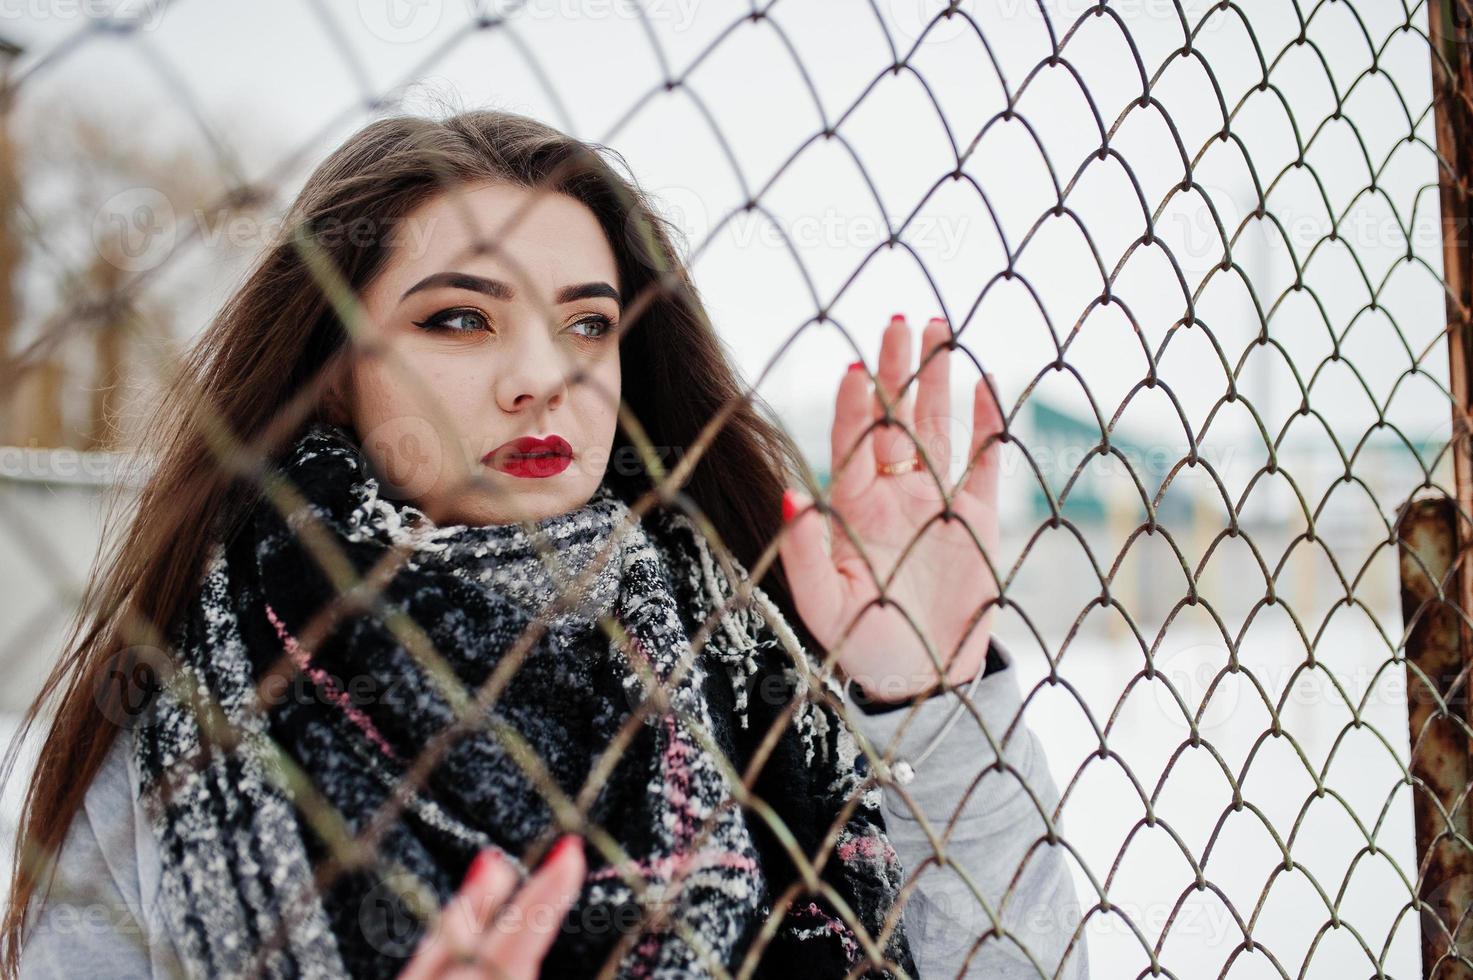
411 455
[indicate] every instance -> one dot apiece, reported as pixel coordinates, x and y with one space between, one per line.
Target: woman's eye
601 325
445 320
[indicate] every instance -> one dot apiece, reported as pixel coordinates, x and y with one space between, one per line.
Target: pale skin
944 581
503 366
492 927
530 361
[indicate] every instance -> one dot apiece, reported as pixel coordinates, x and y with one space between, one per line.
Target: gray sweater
101 916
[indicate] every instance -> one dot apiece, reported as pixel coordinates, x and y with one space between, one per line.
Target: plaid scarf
288 699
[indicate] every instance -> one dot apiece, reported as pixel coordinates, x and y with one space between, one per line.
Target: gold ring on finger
903 466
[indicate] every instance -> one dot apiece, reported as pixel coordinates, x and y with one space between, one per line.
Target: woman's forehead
512 233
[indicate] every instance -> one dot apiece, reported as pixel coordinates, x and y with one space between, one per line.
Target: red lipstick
531 456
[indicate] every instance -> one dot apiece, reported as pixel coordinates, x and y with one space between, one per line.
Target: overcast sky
275 84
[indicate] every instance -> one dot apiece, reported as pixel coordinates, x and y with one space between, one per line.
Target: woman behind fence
468 668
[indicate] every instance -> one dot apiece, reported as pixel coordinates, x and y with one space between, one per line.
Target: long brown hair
261 370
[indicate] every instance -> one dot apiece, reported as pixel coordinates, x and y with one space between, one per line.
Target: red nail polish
855 366
938 319
790 506
565 843
897 318
484 862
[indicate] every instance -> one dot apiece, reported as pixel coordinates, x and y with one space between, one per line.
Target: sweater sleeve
998 828
91 922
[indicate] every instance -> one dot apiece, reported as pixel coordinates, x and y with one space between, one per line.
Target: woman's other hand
466 944
944 582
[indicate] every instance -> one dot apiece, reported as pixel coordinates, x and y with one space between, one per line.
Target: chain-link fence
1213 256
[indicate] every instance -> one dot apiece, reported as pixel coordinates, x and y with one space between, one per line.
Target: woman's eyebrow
497 289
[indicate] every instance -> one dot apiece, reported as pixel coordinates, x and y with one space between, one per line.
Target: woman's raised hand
467 944
944 581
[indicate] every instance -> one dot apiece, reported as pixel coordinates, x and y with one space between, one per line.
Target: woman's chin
512 507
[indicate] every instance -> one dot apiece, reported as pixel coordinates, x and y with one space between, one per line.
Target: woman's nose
530 372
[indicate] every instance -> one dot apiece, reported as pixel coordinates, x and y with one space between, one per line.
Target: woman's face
482 352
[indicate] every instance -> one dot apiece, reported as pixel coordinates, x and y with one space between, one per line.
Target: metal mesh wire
1199 249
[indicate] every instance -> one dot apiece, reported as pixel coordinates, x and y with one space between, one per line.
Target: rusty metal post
1435 533
1437 701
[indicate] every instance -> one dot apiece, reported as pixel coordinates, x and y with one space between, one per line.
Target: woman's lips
531 457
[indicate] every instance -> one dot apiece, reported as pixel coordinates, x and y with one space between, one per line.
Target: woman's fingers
893 443
461 925
981 477
812 577
535 914
482 934
933 398
851 441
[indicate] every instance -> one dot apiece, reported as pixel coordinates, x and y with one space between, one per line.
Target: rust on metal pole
1437 705
1436 573
1450 30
